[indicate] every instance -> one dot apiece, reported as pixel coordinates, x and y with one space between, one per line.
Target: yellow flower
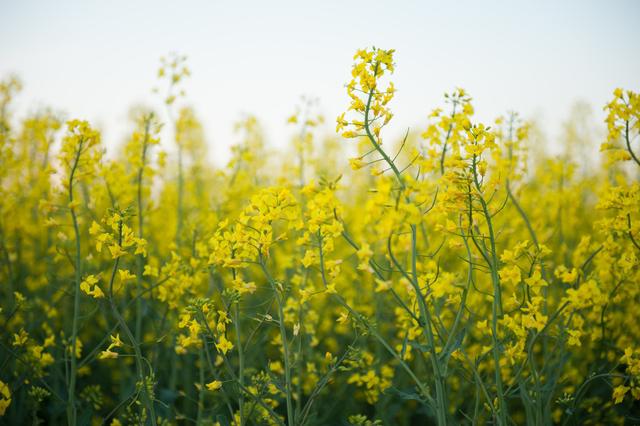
276 367
535 280
223 345
242 286
125 275
5 397
574 338
382 285
116 251
20 338
150 271
107 354
78 348
510 274
115 341
619 392
310 258
214 386
141 247
97 292
87 283
356 163
95 228
364 255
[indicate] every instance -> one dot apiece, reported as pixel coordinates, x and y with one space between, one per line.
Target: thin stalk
496 309
463 300
423 389
180 211
446 139
441 406
201 390
229 369
523 215
285 346
71 404
236 322
426 316
324 381
132 340
140 258
628 142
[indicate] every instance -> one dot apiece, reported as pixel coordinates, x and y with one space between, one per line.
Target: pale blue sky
93 59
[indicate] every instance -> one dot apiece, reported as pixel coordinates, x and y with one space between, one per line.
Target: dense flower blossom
457 276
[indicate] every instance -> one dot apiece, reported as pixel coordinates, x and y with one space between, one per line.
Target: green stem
132 340
496 309
446 139
441 397
628 142
236 322
180 195
229 369
140 258
423 389
441 406
71 404
285 346
202 389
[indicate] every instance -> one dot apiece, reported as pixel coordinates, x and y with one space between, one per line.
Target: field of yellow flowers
460 276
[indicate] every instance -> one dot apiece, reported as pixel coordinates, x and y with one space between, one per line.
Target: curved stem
423 389
497 299
71 404
628 142
441 406
140 258
285 345
132 340
236 321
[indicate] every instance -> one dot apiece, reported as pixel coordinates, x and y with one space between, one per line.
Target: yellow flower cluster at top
368 100
457 275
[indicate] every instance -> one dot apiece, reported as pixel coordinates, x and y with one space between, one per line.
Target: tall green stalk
140 258
425 316
148 400
236 323
285 345
496 308
71 403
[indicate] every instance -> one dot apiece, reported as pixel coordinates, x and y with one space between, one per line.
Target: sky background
94 59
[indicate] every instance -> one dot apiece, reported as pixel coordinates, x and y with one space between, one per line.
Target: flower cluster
467 277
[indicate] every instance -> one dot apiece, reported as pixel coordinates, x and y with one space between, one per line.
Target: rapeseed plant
457 276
